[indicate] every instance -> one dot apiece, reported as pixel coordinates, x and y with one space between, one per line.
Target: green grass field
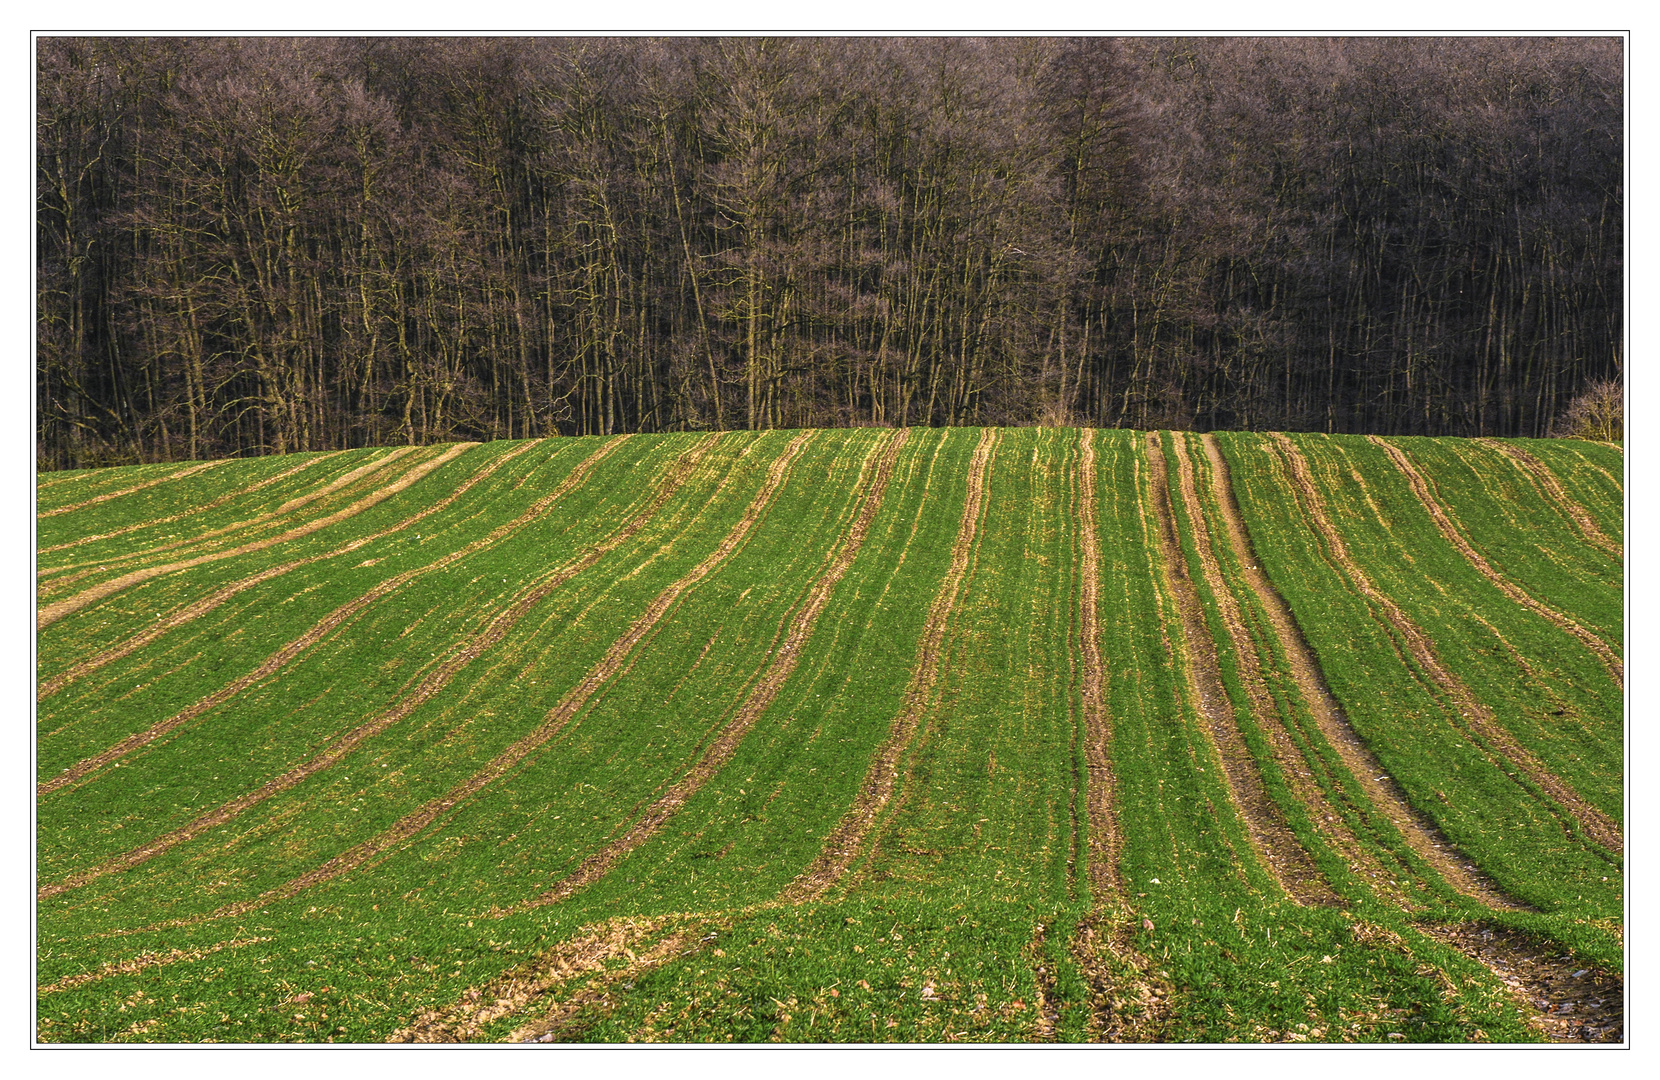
827 737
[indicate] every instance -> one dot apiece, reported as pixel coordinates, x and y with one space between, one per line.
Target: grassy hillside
842 735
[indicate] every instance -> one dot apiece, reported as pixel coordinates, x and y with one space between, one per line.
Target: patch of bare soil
786 655
1546 481
1273 839
51 613
435 680
518 990
1419 832
1563 999
1469 712
1104 840
197 609
1424 488
842 847
108 495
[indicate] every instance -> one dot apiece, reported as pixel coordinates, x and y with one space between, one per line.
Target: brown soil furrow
1104 840
785 657
220 501
1277 846
562 1021
329 623
1475 716
53 612
515 990
142 961
198 608
1564 1000
1419 832
1254 675
181 474
345 480
843 844
1424 488
413 823
434 681
1546 481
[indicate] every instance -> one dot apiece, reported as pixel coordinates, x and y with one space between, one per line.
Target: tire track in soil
327 625
614 661
1425 489
1276 845
1254 674
842 846
435 680
1564 1001
1474 716
53 612
1387 796
198 608
786 654
142 962
344 480
220 501
180 475
1546 482
517 989
1120 1010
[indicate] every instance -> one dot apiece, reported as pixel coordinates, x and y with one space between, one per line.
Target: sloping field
858 735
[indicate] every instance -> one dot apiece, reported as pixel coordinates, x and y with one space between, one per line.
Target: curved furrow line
108 495
786 655
844 842
1276 845
413 823
519 987
1387 796
435 680
143 961
1253 675
92 566
335 619
220 501
197 608
1104 839
1424 488
1473 715
53 612
1547 483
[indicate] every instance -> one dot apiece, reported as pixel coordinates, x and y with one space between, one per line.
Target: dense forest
252 246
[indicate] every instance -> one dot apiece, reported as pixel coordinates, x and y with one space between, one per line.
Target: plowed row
929 736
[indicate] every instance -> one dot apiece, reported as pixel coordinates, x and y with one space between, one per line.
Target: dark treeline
252 246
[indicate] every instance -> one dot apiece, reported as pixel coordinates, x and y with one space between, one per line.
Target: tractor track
845 841
1424 488
108 495
621 653
786 654
1547 483
435 680
1474 716
1386 796
1275 843
51 613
